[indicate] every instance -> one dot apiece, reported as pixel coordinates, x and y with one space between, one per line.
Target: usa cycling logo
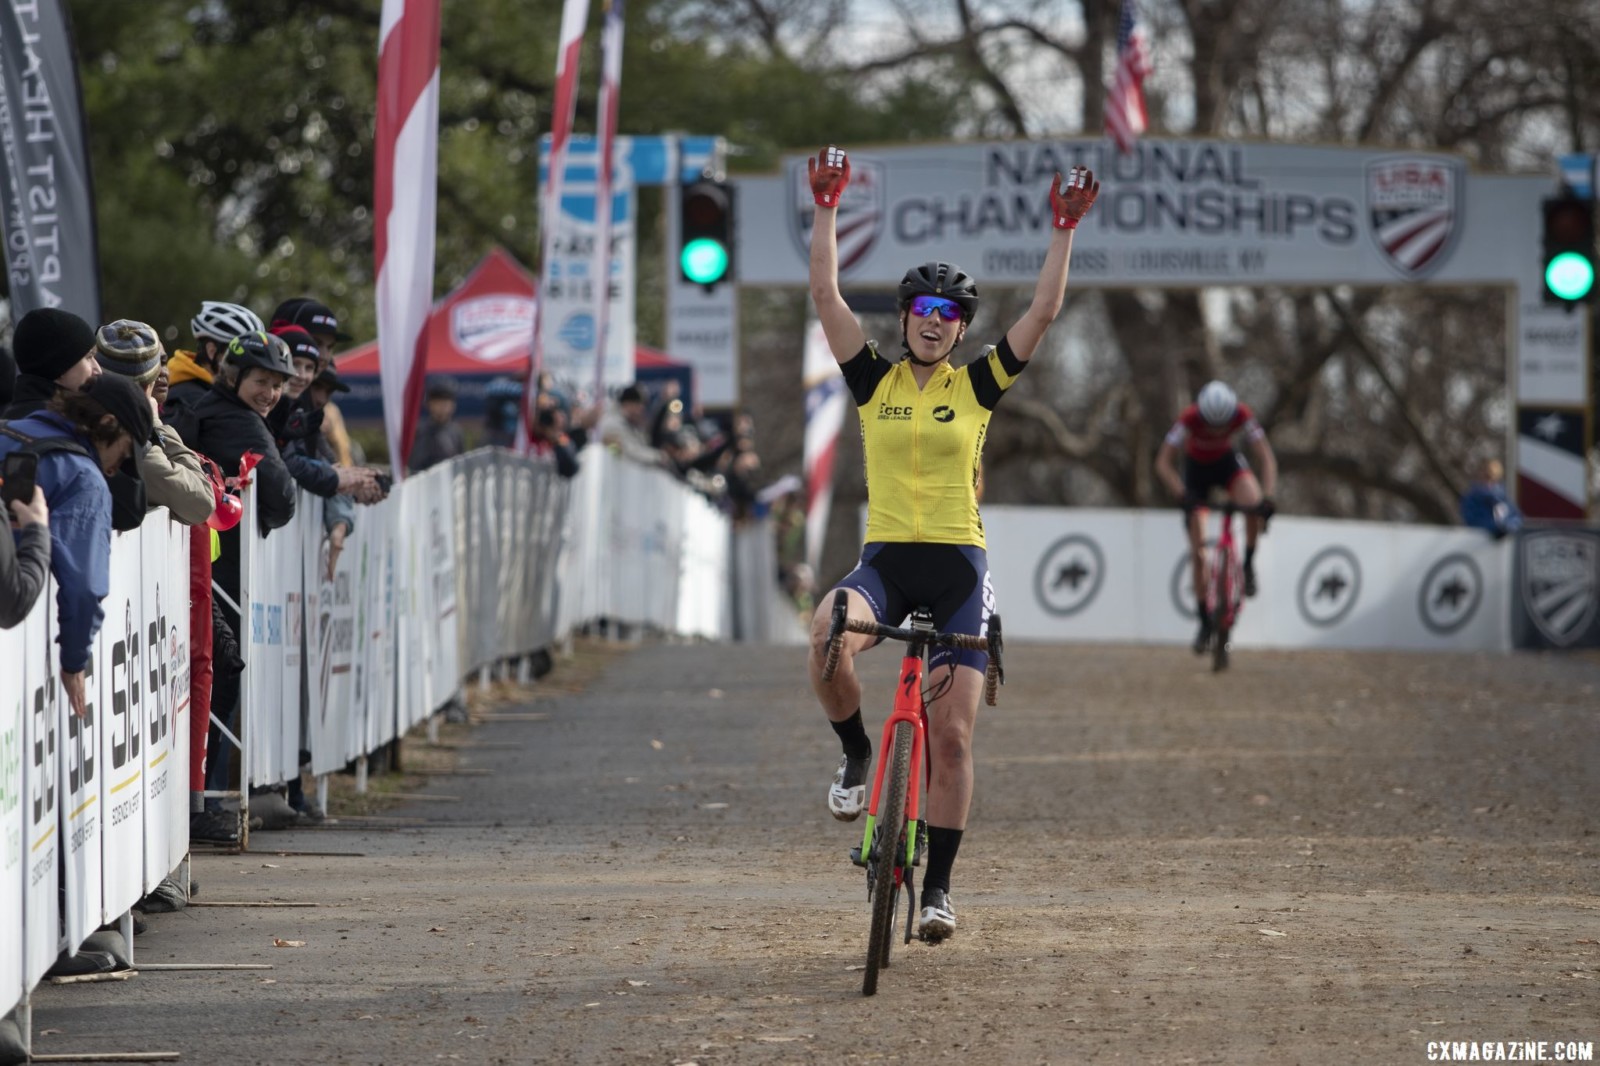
1415 207
862 211
492 327
1560 582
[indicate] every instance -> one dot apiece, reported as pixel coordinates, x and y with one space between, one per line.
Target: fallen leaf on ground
436 929
278 942
638 984
1270 932
656 744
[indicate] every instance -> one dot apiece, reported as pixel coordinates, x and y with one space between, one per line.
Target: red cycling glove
1071 200
829 174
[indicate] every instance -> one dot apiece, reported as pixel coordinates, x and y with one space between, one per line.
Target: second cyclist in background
1205 433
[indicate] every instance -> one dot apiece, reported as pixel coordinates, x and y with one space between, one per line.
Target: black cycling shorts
1200 478
951 580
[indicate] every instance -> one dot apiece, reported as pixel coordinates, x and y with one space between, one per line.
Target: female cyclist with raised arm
923 424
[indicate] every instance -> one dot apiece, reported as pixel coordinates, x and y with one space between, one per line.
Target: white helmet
1217 403
224 321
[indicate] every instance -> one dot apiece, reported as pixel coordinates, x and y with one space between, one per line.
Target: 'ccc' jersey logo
943 413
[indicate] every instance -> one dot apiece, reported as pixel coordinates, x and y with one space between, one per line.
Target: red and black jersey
1204 443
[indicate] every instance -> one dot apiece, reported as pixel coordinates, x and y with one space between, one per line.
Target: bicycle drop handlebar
994 674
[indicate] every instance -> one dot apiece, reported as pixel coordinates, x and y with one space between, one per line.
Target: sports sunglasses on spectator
924 306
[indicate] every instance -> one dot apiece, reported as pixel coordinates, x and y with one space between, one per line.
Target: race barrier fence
481 560
490 557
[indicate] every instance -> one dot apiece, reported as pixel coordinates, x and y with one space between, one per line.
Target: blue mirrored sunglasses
923 306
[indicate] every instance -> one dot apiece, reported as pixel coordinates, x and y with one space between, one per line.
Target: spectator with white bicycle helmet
1204 433
923 424
190 374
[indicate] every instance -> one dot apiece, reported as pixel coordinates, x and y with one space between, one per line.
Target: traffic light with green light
1569 250
705 232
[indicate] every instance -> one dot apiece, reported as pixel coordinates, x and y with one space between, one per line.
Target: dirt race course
1316 858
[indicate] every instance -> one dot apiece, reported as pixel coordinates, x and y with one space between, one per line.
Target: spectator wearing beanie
53 349
172 475
80 437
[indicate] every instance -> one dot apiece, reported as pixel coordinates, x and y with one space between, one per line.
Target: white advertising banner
445 651
1105 575
159 602
1171 212
176 631
40 796
331 648
81 809
568 323
125 692
274 606
1553 355
13 822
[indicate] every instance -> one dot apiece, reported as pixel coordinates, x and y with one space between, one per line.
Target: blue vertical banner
46 193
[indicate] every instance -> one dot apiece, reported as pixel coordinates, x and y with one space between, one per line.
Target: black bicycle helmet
262 350
936 278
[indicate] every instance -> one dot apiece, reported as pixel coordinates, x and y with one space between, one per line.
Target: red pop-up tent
482 329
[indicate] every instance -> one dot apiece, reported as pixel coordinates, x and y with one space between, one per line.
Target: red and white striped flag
1125 114
574 16
404 196
610 93
826 404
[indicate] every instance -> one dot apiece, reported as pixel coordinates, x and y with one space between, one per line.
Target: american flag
1125 115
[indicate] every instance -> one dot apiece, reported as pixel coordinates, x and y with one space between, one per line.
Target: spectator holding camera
171 473
81 438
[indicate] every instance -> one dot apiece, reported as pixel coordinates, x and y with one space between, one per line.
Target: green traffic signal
1570 276
704 261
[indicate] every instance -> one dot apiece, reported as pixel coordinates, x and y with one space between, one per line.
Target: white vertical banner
13 651
81 810
826 403
573 282
175 801
439 502
415 610
122 652
378 727
162 777
331 648
40 796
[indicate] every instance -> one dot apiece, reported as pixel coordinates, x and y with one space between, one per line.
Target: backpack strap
43 445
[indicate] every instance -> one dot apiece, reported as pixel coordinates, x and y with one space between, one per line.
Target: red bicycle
895 799
1225 585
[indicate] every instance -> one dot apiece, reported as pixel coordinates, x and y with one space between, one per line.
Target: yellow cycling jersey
923 446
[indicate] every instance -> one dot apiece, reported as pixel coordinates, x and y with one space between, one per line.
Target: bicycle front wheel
886 852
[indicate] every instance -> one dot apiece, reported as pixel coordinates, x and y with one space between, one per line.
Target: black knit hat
125 402
48 341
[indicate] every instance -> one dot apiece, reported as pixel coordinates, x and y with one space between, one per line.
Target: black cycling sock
1249 556
853 735
942 847
1203 614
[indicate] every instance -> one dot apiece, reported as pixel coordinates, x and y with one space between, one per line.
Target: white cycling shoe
938 919
847 796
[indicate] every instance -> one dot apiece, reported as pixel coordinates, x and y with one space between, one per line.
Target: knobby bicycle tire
1224 621
886 851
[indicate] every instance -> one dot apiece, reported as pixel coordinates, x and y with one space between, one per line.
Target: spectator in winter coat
171 473
230 421
438 437
1486 505
81 438
53 349
24 558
